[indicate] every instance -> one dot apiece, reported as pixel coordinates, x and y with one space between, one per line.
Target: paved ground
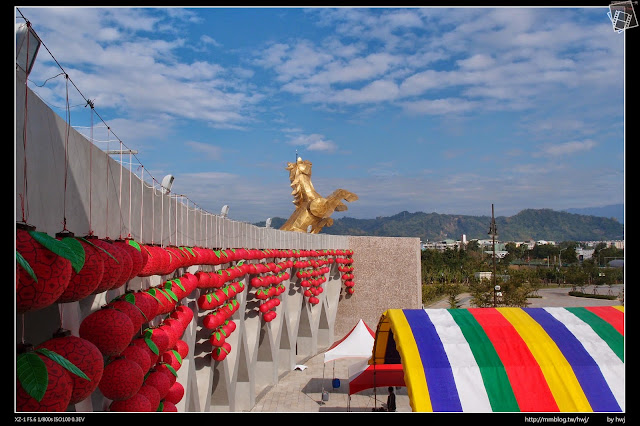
301 391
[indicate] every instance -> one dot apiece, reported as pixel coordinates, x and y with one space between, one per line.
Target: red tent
364 376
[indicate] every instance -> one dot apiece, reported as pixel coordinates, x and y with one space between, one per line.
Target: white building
584 254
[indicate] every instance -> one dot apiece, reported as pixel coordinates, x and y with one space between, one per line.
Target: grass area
592 296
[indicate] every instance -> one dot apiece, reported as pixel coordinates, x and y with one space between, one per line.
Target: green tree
474 246
607 254
481 293
543 251
567 254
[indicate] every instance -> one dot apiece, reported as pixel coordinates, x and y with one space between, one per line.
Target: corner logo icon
622 15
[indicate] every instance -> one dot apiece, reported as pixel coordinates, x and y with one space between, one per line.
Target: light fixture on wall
27 46
225 211
167 182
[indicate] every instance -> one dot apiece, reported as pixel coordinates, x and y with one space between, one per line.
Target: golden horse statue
311 208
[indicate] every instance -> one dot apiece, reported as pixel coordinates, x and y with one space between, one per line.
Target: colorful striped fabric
507 359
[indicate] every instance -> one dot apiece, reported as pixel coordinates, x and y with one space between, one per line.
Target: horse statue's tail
324 207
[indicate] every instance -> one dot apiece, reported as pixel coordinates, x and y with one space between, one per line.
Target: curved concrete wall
73 185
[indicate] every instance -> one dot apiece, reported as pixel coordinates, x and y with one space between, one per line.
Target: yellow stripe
414 377
382 337
619 307
556 369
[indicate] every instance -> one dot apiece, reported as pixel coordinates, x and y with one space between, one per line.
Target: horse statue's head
300 177
300 166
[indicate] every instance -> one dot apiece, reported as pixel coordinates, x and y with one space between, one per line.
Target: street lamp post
560 264
560 256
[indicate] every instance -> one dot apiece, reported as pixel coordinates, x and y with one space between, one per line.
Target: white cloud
476 62
423 81
210 152
441 106
402 18
568 148
299 61
314 142
376 91
357 69
207 40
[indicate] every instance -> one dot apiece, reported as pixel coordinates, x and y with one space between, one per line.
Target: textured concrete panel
386 275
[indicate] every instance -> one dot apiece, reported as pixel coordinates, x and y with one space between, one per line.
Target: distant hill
529 224
611 211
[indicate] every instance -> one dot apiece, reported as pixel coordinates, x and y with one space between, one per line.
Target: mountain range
611 210
528 224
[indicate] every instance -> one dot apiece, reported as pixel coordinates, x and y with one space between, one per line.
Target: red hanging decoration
151 264
147 304
85 282
182 347
184 314
131 310
52 271
151 394
122 378
143 344
109 329
134 253
112 268
160 381
159 337
125 262
135 404
175 394
57 394
138 355
169 407
169 357
84 355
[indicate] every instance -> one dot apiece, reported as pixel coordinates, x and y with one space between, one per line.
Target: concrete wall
67 183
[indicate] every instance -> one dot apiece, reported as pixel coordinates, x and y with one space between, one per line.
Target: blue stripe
437 370
585 368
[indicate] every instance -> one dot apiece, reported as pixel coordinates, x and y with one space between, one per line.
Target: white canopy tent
357 344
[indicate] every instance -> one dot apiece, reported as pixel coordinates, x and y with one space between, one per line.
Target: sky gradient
433 109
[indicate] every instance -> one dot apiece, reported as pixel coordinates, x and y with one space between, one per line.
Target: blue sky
439 109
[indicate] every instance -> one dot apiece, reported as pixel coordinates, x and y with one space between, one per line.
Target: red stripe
381 375
613 316
527 381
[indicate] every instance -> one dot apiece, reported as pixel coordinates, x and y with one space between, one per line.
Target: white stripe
466 373
611 366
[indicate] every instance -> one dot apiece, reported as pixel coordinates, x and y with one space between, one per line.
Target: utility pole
493 231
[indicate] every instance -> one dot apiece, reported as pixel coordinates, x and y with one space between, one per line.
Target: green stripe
606 331
494 375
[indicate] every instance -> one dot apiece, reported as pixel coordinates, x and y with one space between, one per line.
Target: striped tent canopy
507 359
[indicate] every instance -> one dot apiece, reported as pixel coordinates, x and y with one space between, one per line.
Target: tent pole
375 345
322 393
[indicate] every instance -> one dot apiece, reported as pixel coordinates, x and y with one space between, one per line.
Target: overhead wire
93 109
